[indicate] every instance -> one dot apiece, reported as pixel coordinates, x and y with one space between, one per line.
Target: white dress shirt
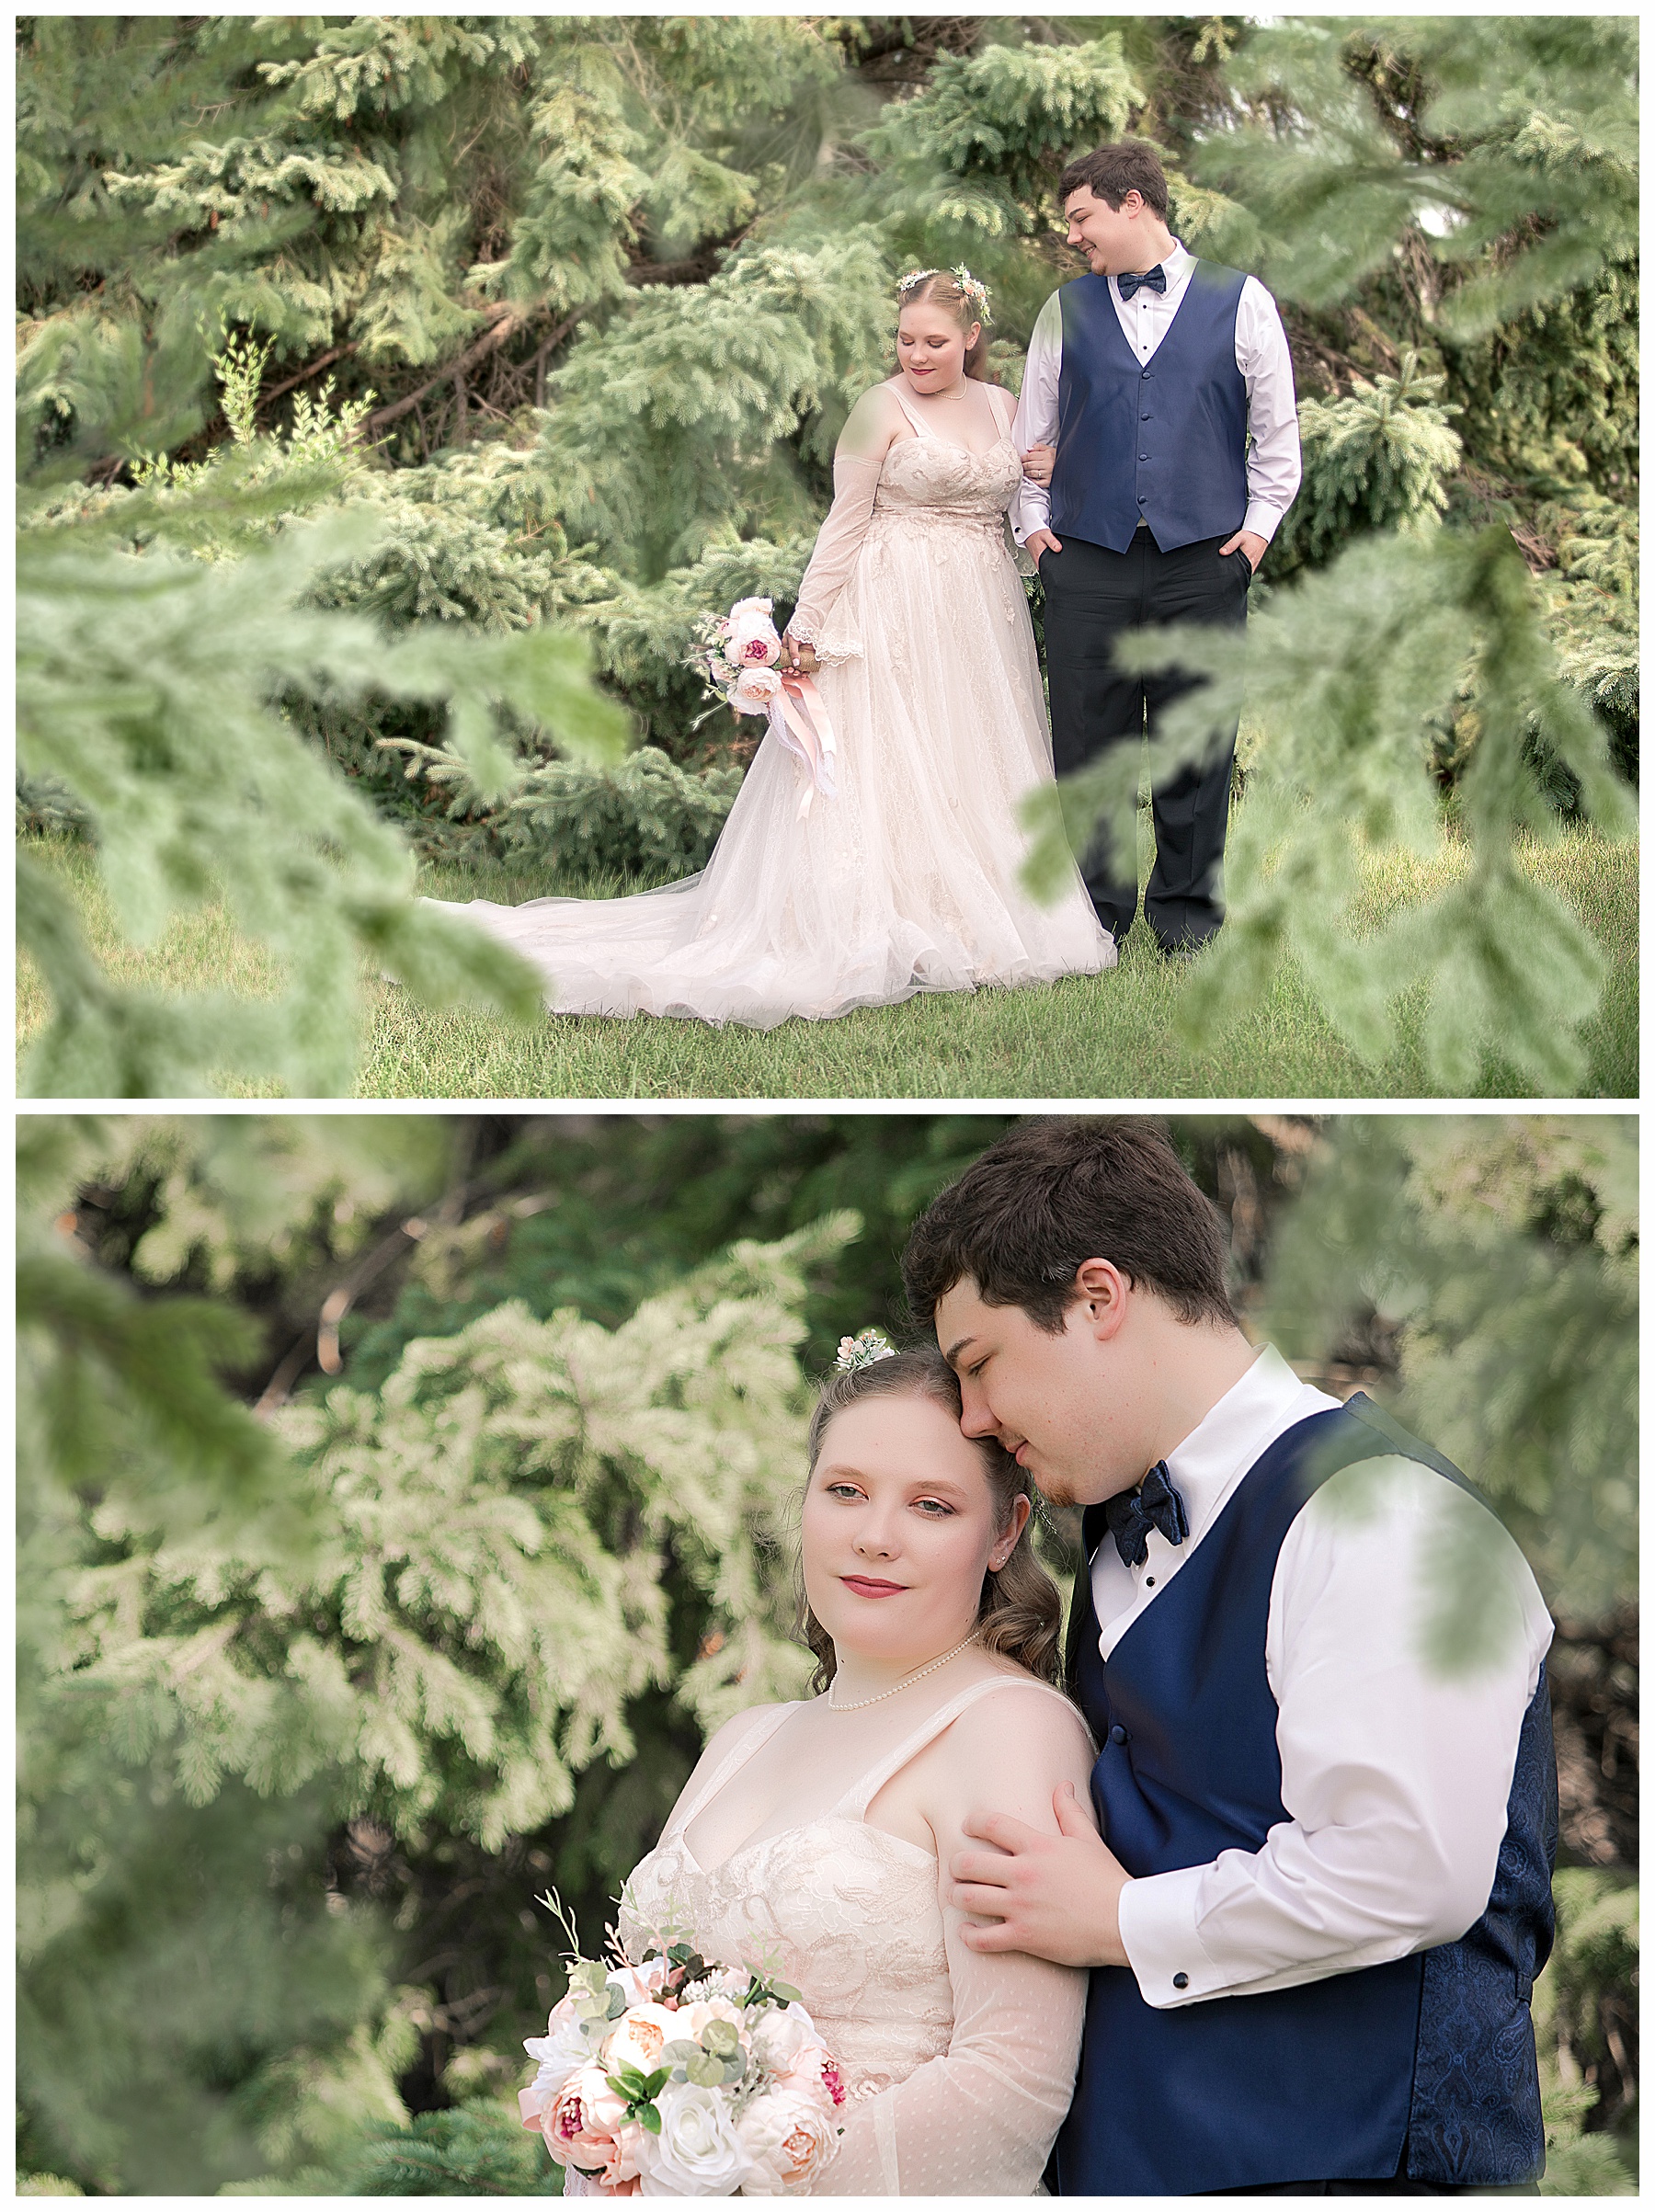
1261 356
1395 1773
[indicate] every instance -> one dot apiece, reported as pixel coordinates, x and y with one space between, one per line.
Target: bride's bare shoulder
1047 1723
874 422
729 1734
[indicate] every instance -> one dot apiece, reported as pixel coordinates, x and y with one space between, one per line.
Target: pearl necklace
905 1684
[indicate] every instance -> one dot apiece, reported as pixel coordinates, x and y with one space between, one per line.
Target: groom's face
1056 1400
1110 238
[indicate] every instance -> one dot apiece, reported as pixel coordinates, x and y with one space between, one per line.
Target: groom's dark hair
1054 1194
1131 164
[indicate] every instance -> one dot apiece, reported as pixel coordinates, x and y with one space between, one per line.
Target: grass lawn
1104 1036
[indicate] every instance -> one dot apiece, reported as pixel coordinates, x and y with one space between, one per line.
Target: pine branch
509 322
322 360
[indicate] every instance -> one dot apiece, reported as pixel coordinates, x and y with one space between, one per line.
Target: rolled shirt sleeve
1395 1771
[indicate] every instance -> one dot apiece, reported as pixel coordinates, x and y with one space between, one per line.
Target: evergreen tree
523 1325
604 288
1497 1263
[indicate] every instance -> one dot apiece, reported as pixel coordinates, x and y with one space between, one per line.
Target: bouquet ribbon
801 722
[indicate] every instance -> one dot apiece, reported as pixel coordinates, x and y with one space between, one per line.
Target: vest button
1181 1981
1117 1734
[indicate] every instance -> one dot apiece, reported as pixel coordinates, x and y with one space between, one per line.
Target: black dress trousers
1093 597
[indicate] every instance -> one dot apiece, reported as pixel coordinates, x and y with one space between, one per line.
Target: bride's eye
842 1489
934 1508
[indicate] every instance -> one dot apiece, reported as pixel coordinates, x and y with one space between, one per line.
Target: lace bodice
925 471
923 482
959 2066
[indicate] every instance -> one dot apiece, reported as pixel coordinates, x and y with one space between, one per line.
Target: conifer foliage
312 1703
596 293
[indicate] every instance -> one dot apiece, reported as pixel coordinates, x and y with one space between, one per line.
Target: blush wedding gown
905 880
959 2065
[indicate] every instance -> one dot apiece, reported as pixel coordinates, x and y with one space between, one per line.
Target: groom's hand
1039 541
1252 545
1053 1897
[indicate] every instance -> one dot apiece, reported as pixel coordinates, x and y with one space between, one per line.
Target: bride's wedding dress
906 879
959 2065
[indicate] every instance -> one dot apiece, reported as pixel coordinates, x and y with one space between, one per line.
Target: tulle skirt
906 879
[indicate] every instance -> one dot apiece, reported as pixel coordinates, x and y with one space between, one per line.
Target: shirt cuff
1031 511
1262 519
1157 1934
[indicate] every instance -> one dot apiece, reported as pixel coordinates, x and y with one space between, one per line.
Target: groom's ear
1104 1294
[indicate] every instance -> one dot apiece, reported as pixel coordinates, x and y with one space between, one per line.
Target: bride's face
899 1528
932 347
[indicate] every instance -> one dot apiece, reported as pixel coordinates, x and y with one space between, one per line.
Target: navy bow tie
1154 1504
1156 279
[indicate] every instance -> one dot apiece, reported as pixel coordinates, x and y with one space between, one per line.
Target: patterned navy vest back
1163 442
1425 2064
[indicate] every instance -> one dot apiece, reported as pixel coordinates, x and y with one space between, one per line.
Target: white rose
698 2153
563 2050
787 2139
641 1984
778 2037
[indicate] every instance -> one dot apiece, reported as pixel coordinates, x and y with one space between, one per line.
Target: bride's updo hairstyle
942 288
1020 1613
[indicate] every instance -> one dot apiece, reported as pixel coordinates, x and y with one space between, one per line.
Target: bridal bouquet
738 656
677 2078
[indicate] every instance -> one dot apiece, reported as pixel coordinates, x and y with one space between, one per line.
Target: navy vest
1163 442
1426 2064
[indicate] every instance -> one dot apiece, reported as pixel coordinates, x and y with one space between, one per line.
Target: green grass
1105 1036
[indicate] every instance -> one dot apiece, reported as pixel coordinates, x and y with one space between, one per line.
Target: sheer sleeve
858 464
981 2120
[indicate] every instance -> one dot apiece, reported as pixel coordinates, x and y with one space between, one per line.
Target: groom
1322 1891
1166 386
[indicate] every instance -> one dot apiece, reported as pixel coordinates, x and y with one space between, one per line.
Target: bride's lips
868 1586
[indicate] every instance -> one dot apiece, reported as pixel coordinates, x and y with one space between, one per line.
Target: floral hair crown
971 288
863 1351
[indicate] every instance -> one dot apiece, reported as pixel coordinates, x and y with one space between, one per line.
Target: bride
906 879
814 1834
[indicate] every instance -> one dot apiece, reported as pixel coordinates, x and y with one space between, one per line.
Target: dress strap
903 401
854 1804
749 1741
995 396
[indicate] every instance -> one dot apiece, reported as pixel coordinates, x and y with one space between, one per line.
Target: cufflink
1181 1981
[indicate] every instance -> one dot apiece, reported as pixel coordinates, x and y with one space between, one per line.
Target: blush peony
584 2122
787 2139
814 2074
637 2037
752 641
754 689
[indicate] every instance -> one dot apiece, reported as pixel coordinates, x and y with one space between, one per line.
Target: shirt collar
1178 264
1234 1433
